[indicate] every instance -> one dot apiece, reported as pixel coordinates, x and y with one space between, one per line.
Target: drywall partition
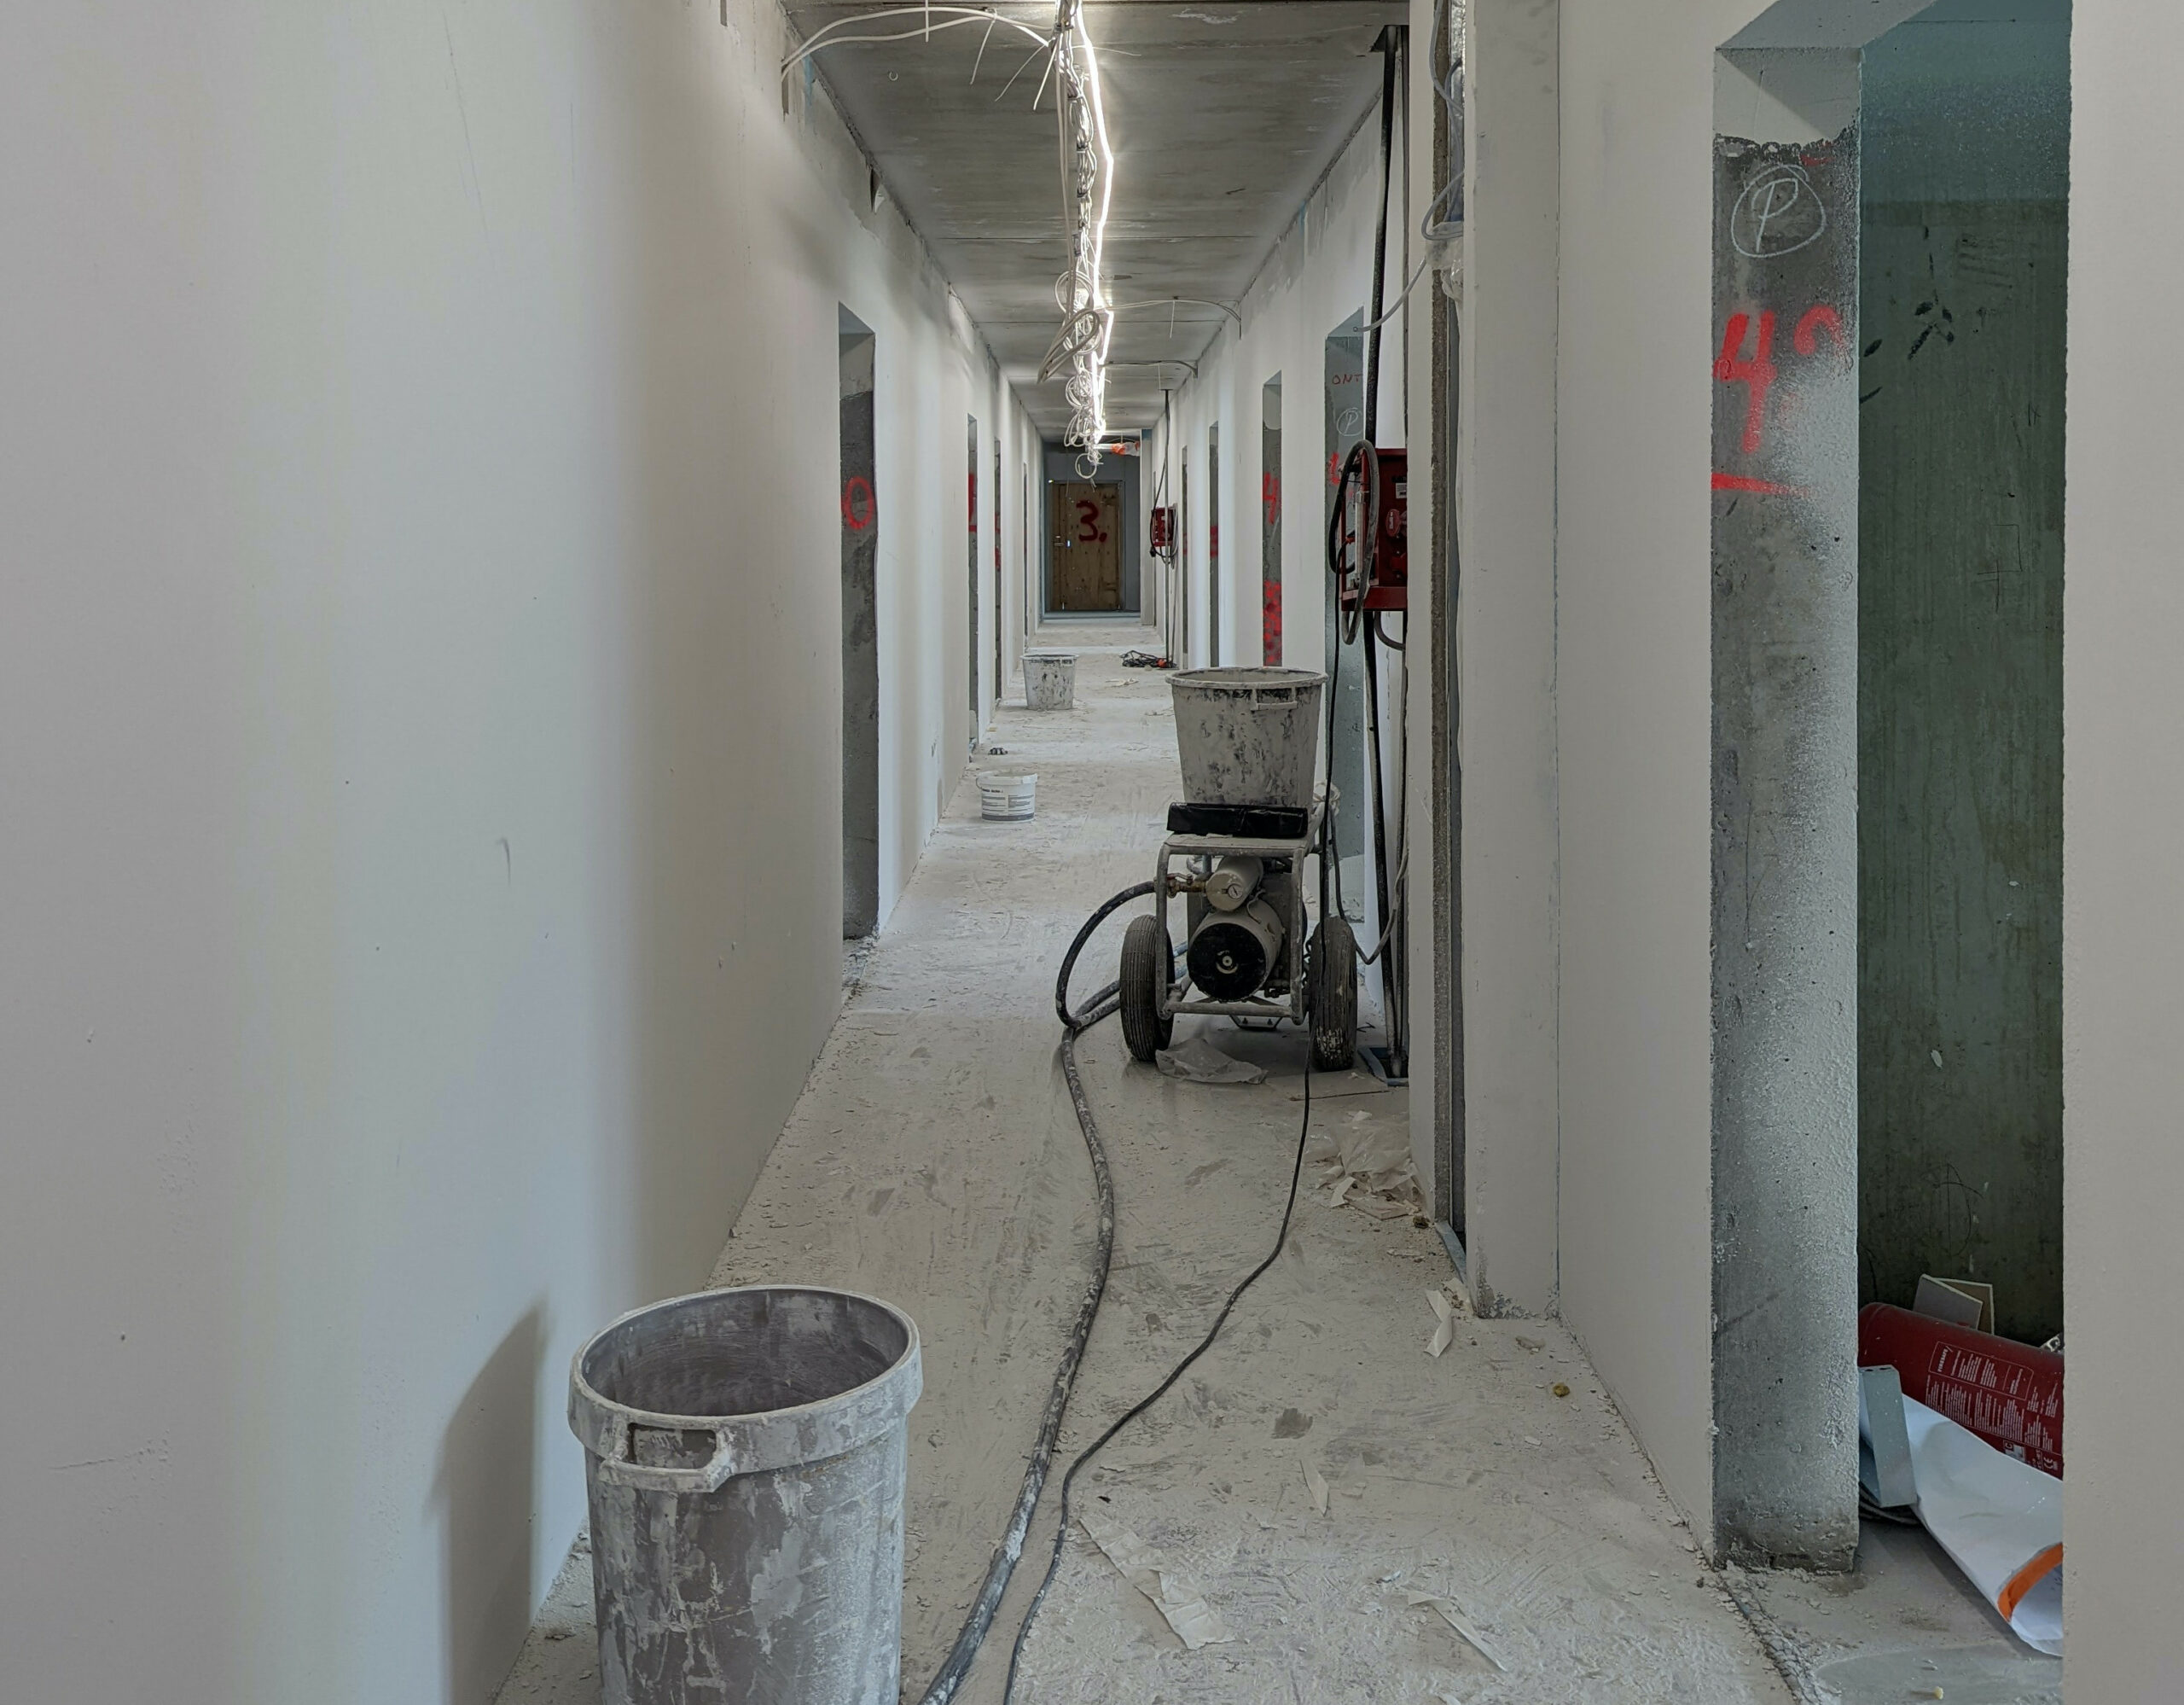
1635 364
1316 275
419 724
2122 816
1504 666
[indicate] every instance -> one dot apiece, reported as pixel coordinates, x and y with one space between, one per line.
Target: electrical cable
978 1622
835 34
1106 1001
1410 284
987 1604
1387 935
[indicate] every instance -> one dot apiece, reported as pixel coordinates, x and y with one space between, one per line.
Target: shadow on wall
488 1462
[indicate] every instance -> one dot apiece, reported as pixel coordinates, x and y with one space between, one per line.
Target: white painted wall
417 743
1318 275
1632 675
2123 814
1506 665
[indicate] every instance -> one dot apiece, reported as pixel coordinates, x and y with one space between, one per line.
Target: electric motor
1232 951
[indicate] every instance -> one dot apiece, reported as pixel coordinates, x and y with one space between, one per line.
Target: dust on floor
933 1159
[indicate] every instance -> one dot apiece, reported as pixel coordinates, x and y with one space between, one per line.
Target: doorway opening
971 650
1271 522
1350 804
1213 544
1092 525
1088 569
1963 217
999 677
1183 538
1888 367
860 635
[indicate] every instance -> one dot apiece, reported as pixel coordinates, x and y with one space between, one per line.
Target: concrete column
1785 806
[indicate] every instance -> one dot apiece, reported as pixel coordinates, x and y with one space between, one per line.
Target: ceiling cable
837 33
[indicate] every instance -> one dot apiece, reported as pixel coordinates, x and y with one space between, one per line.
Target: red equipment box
1387 580
2009 1393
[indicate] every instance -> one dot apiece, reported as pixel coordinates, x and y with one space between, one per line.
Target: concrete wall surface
1967 128
418 733
2122 928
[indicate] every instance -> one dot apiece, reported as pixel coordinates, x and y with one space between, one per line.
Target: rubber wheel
1145 961
1330 994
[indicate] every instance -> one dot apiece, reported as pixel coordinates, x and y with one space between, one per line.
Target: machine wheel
1330 994
1146 962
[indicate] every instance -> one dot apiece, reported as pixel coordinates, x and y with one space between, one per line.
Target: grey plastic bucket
1049 679
1248 737
746 1451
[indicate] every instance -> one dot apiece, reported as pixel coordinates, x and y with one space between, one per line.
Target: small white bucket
1005 799
1049 680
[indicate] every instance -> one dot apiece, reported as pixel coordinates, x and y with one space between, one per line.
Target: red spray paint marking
1088 518
1757 375
1745 482
857 492
1270 496
1822 318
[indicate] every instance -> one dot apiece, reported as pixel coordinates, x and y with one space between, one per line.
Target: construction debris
1198 1061
1177 1597
1456 1618
1365 1164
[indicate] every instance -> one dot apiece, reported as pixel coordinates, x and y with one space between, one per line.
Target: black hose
987 1604
1388 52
979 1621
1281 1241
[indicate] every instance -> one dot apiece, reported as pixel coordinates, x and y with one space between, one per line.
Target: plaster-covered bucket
1248 737
1049 679
746 1451
1007 799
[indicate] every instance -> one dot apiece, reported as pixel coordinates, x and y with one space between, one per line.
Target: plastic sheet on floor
1999 1520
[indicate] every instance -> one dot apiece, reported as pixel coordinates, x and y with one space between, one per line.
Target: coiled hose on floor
987 1605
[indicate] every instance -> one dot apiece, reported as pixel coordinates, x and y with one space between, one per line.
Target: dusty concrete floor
1902 1623
933 1159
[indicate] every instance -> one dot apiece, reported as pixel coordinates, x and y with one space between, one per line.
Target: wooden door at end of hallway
1088 547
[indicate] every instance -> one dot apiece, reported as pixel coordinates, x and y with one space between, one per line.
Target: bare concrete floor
934 1160
1902 1624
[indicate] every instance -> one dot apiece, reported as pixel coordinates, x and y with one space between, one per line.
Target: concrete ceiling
1223 114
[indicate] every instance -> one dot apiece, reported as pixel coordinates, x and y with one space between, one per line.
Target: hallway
520 523
934 1159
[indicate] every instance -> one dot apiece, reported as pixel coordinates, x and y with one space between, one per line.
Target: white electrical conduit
953 17
1087 172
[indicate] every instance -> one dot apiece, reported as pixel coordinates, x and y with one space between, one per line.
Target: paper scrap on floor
1999 1519
1365 1163
1446 1609
1448 1304
1198 1061
1316 1483
1177 1597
